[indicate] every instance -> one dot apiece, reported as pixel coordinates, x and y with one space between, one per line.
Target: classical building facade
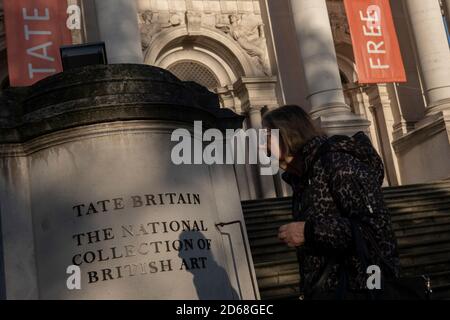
260 54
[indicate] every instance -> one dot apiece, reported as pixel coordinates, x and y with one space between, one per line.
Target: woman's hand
292 234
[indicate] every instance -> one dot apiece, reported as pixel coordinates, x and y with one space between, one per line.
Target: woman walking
338 207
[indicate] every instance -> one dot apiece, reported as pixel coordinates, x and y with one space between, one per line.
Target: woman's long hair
295 127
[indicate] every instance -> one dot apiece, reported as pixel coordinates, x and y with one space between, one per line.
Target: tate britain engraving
224 150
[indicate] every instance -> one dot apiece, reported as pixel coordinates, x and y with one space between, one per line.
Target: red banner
375 44
35 30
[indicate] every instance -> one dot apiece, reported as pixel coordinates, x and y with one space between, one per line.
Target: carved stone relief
151 23
338 20
249 34
243 26
193 20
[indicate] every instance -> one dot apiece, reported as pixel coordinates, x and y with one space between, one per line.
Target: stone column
432 52
89 20
447 7
381 109
118 28
266 183
318 57
254 93
255 117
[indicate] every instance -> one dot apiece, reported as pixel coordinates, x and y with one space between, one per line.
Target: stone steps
397 213
403 225
412 229
273 267
420 186
276 253
424 236
396 201
420 219
396 209
442 187
407 221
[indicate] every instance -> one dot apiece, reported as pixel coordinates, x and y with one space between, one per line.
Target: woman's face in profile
272 144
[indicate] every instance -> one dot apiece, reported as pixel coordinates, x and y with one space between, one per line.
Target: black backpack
392 287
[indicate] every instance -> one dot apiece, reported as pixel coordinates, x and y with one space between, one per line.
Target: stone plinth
86 179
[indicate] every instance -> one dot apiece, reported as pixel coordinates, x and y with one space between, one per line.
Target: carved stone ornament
338 21
193 20
151 23
249 34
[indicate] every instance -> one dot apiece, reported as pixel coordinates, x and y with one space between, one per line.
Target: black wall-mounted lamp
80 55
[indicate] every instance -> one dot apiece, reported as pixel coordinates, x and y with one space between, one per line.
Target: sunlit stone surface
86 179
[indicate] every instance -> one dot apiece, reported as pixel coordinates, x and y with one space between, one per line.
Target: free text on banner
375 44
35 30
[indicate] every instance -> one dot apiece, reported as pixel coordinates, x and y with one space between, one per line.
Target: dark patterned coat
330 190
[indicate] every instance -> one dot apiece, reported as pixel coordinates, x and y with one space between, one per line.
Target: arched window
196 72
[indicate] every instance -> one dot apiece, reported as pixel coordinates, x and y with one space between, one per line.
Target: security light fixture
74 56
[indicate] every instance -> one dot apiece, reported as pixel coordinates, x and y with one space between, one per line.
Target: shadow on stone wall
206 290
